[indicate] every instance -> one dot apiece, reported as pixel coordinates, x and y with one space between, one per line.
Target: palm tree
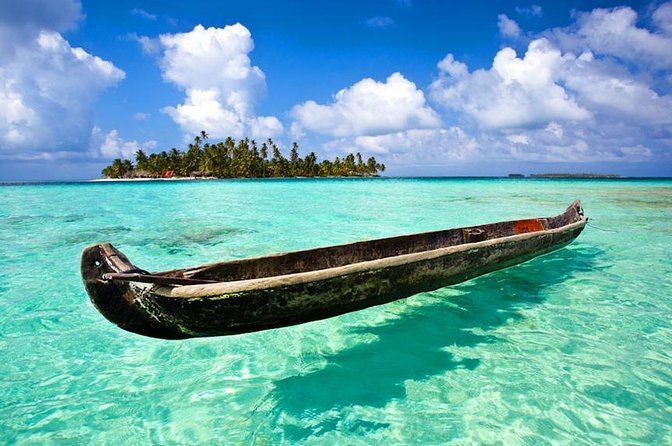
360 164
371 166
310 167
127 168
264 159
141 160
349 165
337 167
295 160
175 160
278 163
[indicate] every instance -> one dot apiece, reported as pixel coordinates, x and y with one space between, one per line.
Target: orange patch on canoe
525 226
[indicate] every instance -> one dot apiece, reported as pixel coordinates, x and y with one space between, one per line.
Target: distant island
565 175
241 159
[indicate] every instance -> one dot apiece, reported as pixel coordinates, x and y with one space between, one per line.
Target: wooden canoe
291 288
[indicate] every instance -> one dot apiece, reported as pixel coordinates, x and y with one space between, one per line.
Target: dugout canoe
278 290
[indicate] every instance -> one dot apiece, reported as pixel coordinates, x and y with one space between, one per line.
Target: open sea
574 347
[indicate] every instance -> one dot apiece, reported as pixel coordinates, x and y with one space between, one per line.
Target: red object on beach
167 173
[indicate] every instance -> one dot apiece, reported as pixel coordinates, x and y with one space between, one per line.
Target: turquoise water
575 346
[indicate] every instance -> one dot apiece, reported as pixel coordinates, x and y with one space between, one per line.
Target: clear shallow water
576 345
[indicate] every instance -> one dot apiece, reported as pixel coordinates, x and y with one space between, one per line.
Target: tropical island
567 175
237 159
575 175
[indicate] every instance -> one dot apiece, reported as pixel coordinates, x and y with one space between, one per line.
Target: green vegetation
242 159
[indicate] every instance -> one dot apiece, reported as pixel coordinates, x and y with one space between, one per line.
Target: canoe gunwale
220 289
193 270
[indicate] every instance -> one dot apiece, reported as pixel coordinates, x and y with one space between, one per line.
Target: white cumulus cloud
662 18
111 145
213 67
369 107
614 32
555 106
22 18
149 45
534 10
439 144
508 27
610 91
598 90
47 87
418 147
519 138
515 92
142 13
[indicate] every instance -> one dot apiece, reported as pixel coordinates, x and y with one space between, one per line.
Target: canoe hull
295 304
151 311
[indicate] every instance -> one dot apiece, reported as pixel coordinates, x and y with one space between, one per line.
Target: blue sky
428 87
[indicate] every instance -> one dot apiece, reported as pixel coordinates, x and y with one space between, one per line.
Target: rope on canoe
155 279
600 229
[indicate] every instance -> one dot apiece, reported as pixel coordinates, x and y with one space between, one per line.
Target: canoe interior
340 255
